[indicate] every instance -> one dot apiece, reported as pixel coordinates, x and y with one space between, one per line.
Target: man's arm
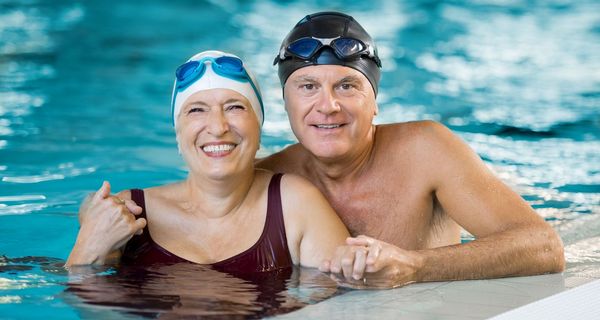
511 239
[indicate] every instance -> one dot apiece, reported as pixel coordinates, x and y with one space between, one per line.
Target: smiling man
404 190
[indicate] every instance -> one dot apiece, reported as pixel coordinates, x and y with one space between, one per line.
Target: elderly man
411 186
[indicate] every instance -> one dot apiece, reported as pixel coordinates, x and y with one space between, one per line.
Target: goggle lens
187 69
348 47
229 64
304 48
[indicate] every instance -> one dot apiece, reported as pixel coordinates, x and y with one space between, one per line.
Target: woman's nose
217 123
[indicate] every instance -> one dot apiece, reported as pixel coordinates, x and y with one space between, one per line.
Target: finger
87 201
133 207
374 252
90 196
360 241
117 200
324 267
335 264
103 192
139 225
335 277
348 264
359 264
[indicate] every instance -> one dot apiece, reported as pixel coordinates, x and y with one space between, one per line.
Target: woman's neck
216 198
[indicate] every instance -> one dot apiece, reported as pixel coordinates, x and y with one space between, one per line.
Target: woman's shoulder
299 195
166 191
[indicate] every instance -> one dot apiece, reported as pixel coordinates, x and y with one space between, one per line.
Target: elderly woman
226 214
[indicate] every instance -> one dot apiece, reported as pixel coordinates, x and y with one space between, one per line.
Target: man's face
331 109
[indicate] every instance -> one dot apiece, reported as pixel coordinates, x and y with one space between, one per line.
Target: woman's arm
107 223
313 229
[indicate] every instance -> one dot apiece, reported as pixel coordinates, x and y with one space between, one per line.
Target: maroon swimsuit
269 253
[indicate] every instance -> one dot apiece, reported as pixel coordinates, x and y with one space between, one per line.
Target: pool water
85 91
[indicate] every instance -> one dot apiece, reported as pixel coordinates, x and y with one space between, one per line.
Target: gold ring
119 200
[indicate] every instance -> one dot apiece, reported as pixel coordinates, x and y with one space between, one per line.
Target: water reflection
177 291
188 290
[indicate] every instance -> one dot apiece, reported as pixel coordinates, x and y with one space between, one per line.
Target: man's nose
217 122
328 103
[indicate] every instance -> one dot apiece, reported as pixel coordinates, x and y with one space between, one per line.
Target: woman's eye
196 109
235 107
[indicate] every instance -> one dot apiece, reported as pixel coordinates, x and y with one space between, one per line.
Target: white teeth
328 126
218 147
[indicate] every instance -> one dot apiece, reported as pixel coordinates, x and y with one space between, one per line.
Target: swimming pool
85 89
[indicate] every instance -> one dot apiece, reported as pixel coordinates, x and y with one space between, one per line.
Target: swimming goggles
344 48
224 66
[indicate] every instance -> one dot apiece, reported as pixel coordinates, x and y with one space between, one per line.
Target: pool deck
521 297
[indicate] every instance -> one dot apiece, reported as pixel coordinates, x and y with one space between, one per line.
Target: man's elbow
554 251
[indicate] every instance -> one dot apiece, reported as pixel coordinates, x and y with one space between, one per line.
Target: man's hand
107 223
365 263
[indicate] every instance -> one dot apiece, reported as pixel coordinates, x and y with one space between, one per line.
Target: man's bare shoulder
287 160
429 148
426 147
412 134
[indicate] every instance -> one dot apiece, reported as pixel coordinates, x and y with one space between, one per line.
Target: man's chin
330 151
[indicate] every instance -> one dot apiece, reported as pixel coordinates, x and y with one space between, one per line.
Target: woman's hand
365 263
107 223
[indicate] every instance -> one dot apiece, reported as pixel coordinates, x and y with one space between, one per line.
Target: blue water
85 89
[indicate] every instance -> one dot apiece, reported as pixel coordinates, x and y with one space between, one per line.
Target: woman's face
218 133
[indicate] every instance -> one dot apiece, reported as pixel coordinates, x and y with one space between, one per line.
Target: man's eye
346 86
308 86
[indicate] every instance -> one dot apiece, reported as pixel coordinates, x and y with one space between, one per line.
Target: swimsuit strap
137 195
275 222
274 208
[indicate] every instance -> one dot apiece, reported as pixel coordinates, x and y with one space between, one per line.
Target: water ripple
49 176
516 75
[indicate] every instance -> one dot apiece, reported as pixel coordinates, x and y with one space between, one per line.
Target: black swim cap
329 25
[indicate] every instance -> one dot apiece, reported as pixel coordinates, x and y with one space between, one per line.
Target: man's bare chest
398 216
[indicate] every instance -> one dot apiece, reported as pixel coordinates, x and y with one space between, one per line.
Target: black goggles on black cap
344 48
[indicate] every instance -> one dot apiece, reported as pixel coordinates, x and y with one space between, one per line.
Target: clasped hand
365 263
107 222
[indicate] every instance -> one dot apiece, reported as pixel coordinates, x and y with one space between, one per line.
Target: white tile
579 303
478 299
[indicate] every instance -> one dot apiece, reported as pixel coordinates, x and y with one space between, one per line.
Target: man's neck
333 171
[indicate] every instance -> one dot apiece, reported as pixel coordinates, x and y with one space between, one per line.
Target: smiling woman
217 131
217 114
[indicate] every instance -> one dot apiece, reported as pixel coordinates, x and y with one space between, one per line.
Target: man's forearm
515 252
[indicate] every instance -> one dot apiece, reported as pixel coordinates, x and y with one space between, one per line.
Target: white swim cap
215 70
